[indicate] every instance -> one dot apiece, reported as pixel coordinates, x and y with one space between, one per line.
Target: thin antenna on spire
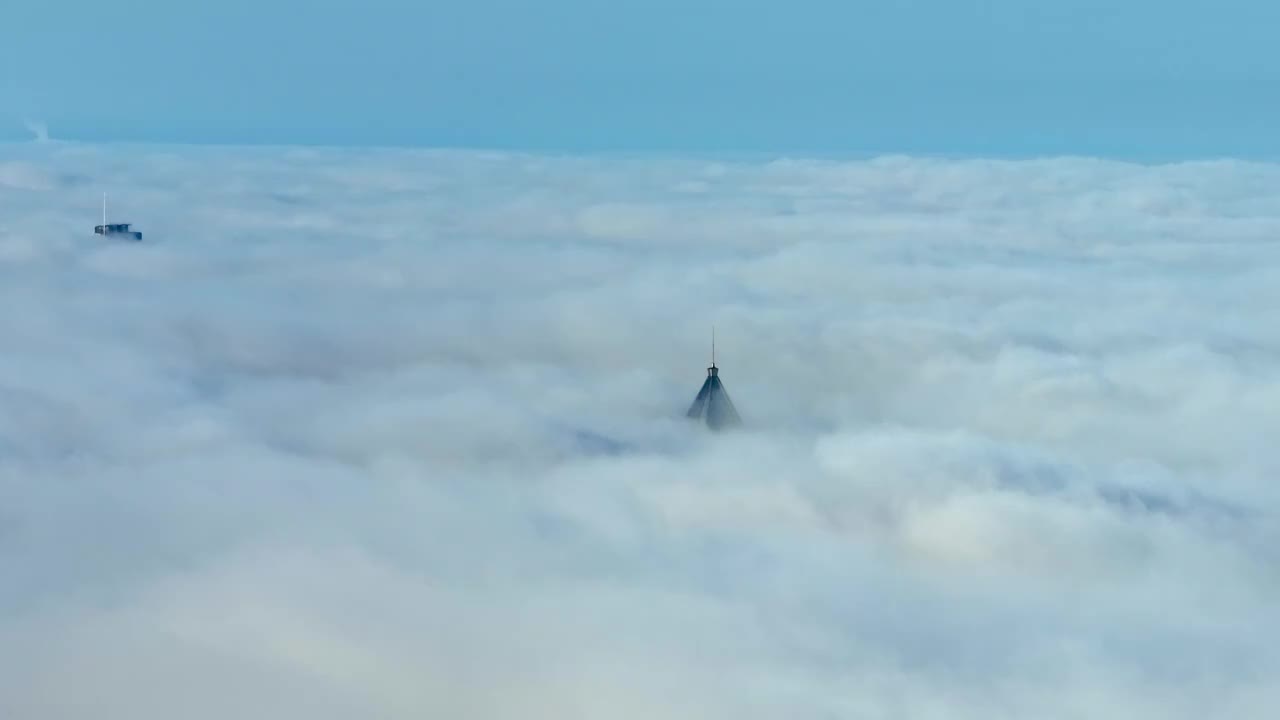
713 346
104 212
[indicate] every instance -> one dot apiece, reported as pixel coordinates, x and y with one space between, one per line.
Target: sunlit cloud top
401 434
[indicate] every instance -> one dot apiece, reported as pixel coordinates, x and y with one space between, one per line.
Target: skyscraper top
712 405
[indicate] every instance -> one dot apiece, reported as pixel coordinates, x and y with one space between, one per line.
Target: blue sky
1005 77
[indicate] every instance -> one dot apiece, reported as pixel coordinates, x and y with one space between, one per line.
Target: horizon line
536 149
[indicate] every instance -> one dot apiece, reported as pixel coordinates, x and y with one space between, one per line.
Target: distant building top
712 405
113 229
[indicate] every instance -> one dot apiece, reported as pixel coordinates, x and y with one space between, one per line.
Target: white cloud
398 434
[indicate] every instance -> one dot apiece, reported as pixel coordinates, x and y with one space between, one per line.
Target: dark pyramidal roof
713 405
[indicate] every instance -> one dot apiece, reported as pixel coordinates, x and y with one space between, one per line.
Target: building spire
712 405
713 370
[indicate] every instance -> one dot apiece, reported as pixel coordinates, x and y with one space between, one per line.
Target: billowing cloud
394 433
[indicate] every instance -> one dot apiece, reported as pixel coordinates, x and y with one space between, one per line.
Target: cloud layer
396 433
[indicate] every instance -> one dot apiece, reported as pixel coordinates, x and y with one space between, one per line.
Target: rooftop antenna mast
713 346
104 212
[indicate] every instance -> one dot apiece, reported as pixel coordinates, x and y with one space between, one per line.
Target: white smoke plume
38 130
